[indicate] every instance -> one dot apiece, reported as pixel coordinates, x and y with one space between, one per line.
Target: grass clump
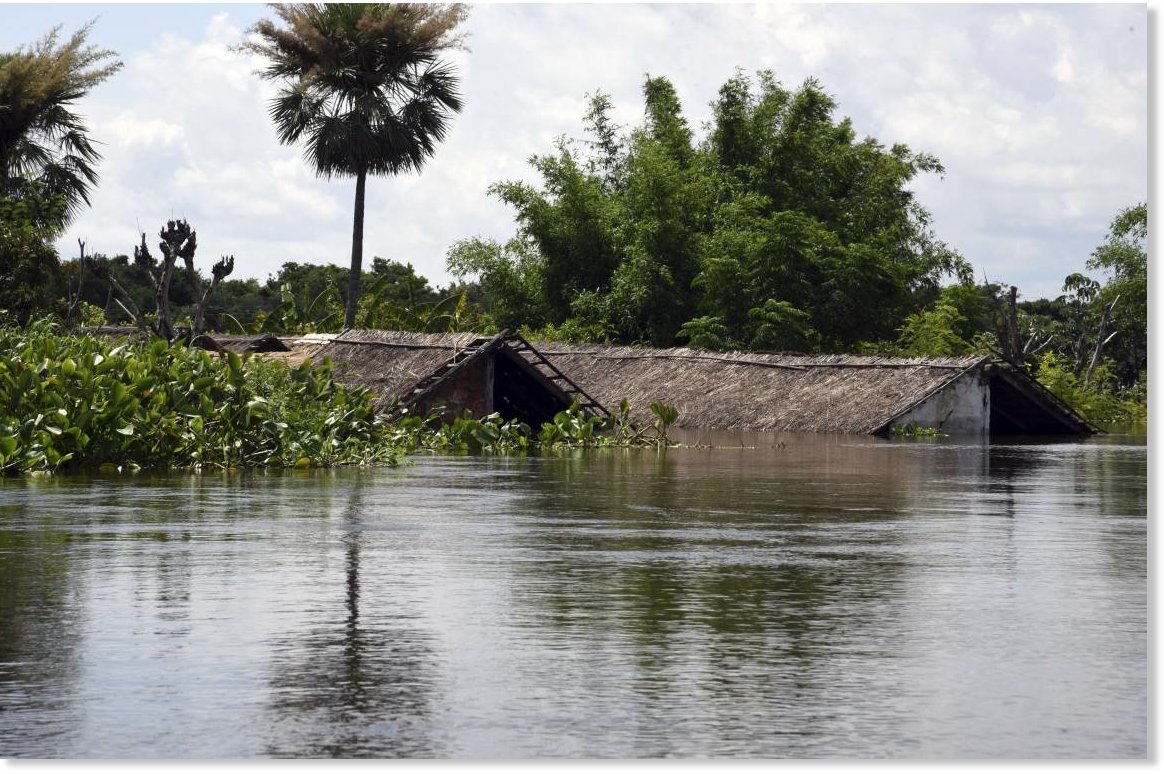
569 429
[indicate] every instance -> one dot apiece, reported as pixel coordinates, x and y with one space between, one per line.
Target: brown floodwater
774 597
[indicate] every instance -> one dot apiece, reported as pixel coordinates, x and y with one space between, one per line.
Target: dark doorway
518 394
1019 408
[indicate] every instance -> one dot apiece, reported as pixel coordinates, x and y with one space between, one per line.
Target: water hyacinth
571 428
74 402
77 402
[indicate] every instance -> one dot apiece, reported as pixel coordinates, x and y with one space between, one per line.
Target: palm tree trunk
357 252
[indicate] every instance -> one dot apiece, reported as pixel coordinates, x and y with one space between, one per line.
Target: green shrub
1099 401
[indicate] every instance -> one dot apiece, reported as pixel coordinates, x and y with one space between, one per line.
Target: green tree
398 282
45 150
570 223
1124 258
932 332
780 230
818 218
364 88
663 206
30 272
511 279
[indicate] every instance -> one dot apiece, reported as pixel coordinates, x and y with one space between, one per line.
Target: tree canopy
44 145
780 229
47 162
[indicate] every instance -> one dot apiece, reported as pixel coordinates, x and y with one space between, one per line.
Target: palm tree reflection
358 683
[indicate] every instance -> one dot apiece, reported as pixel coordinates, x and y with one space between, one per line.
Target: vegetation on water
71 402
570 429
913 429
779 229
78 402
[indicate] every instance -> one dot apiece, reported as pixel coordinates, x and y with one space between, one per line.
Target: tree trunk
1100 341
357 252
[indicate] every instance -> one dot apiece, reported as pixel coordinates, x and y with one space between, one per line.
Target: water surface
810 597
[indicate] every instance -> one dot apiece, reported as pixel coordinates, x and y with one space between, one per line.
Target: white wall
961 408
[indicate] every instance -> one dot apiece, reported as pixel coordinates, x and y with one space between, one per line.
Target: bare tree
178 241
1013 347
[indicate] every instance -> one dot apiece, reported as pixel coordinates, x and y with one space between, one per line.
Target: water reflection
807 597
40 623
353 685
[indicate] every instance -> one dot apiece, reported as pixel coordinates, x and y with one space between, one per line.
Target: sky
1039 114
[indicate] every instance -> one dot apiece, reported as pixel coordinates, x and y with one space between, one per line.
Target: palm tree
364 89
44 146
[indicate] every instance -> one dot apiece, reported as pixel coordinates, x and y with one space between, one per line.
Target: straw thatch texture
389 362
767 392
263 343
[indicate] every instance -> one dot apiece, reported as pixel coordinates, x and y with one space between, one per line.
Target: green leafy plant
571 428
913 429
1098 400
665 416
75 402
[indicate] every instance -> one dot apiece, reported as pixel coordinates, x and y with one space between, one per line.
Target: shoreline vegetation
76 402
71 402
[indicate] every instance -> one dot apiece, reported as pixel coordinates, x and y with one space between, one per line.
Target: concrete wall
962 408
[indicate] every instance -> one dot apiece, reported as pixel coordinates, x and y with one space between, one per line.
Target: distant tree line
299 297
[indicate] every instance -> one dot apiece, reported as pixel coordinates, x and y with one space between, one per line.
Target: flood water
810 597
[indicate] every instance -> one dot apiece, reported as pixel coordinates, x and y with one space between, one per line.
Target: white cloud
1038 113
130 130
1064 69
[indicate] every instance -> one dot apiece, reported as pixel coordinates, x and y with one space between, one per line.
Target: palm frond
41 138
364 88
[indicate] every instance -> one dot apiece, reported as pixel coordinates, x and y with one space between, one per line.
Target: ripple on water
825 599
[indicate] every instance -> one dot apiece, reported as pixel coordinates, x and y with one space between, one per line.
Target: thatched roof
115 332
774 392
389 363
767 392
254 342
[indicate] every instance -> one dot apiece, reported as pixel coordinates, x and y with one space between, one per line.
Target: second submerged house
779 392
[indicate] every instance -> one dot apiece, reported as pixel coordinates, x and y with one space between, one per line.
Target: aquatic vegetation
78 402
571 428
913 429
70 402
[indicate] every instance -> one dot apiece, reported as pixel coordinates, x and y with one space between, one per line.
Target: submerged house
821 393
711 390
452 372
767 392
731 391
